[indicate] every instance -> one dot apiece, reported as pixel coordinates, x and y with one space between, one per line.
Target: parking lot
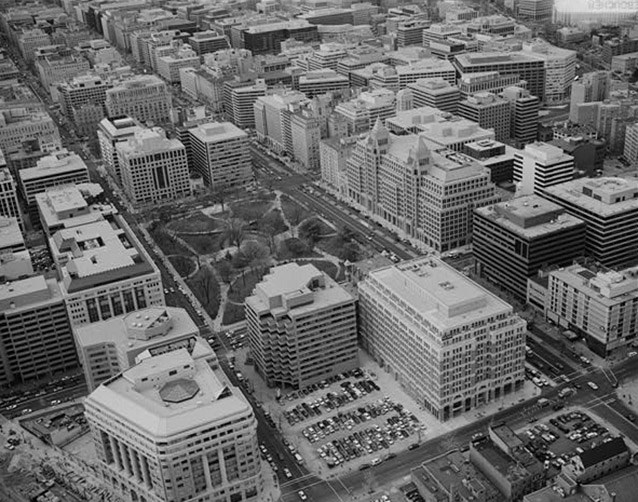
563 435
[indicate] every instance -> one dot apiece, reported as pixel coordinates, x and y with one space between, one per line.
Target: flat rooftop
164 405
10 234
496 58
530 216
54 164
439 293
615 196
217 131
28 293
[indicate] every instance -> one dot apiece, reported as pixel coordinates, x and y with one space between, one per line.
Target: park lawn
292 248
206 288
196 222
233 313
167 244
183 264
295 213
204 244
250 211
243 285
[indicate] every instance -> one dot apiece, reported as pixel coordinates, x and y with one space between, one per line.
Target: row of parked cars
348 420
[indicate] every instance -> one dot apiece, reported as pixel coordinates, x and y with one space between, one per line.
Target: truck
542 402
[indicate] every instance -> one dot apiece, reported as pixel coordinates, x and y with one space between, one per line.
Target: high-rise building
489 81
59 68
110 132
35 333
221 154
535 10
609 208
267 38
410 32
527 66
592 87
82 101
153 167
395 78
272 118
239 99
439 32
599 305
451 344
169 66
30 40
18 125
9 205
435 92
306 130
488 111
541 165
143 97
15 260
59 168
524 109
560 69
495 156
427 195
175 399
513 240
630 152
334 153
302 327
109 347
317 82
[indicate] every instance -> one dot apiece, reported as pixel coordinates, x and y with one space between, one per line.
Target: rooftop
148 141
115 128
607 287
439 293
500 461
530 216
10 234
603 451
28 293
495 58
291 24
605 196
217 131
545 153
171 394
54 164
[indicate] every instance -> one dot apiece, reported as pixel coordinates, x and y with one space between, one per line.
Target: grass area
275 220
196 222
294 248
244 284
183 264
233 313
325 266
249 211
167 244
204 244
343 250
204 285
318 224
295 213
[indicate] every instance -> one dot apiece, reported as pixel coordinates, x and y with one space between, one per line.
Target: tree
310 230
235 231
225 270
255 253
295 215
219 194
207 286
345 233
349 252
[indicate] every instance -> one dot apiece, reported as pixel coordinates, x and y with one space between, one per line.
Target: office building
334 153
317 82
104 270
9 205
436 93
110 132
144 97
609 208
452 345
30 40
489 81
422 194
169 66
15 260
442 129
153 167
18 125
535 10
398 77
590 88
110 347
326 57
175 399
205 42
560 69
630 153
55 69
504 459
59 168
439 32
306 126
410 32
599 305
67 206
267 38
82 101
272 118
221 154
239 99
489 112
524 114
513 240
526 66
35 333
361 113
302 327
541 165
495 156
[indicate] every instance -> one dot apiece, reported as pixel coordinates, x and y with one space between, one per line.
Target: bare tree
235 231
220 193
206 284
295 216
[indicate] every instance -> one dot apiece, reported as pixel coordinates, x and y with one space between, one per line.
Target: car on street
592 385
55 402
302 495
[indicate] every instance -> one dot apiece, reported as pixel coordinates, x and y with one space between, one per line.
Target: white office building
541 165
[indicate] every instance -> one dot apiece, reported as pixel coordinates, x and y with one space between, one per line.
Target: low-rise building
18 125
302 327
594 463
318 82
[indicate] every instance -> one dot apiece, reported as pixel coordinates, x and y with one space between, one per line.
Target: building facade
144 97
541 165
451 344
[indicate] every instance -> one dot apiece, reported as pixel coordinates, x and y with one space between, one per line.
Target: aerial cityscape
318 250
